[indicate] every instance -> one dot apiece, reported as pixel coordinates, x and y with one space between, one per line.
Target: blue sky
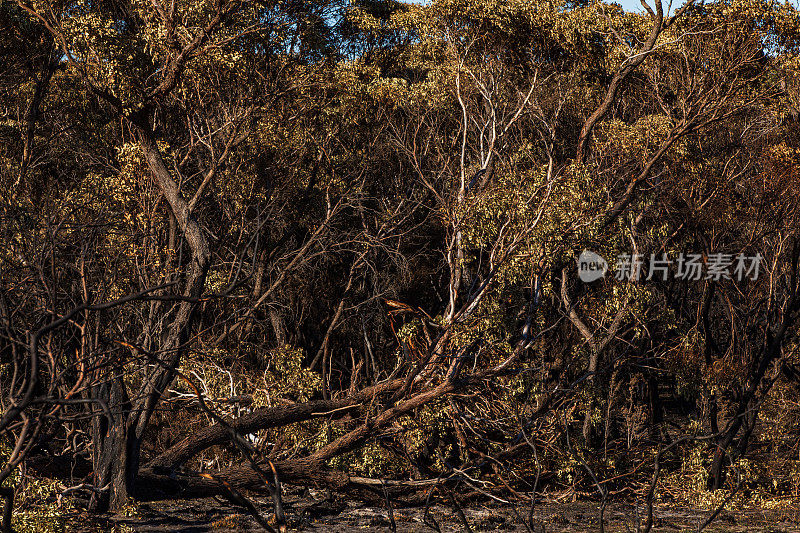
628 5
635 5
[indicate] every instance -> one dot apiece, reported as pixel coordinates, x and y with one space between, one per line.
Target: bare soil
312 511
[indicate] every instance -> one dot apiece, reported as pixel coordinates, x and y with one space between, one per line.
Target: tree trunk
118 441
656 410
716 478
588 424
113 450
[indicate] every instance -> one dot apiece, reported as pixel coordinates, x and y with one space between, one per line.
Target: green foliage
286 377
37 509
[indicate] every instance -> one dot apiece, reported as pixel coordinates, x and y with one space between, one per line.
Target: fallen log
153 484
265 418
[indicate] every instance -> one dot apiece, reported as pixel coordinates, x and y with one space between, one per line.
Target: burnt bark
267 417
33 112
748 403
116 461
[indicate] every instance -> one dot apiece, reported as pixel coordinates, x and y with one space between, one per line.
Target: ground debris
320 512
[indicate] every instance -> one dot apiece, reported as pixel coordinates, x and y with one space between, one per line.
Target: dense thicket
326 243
